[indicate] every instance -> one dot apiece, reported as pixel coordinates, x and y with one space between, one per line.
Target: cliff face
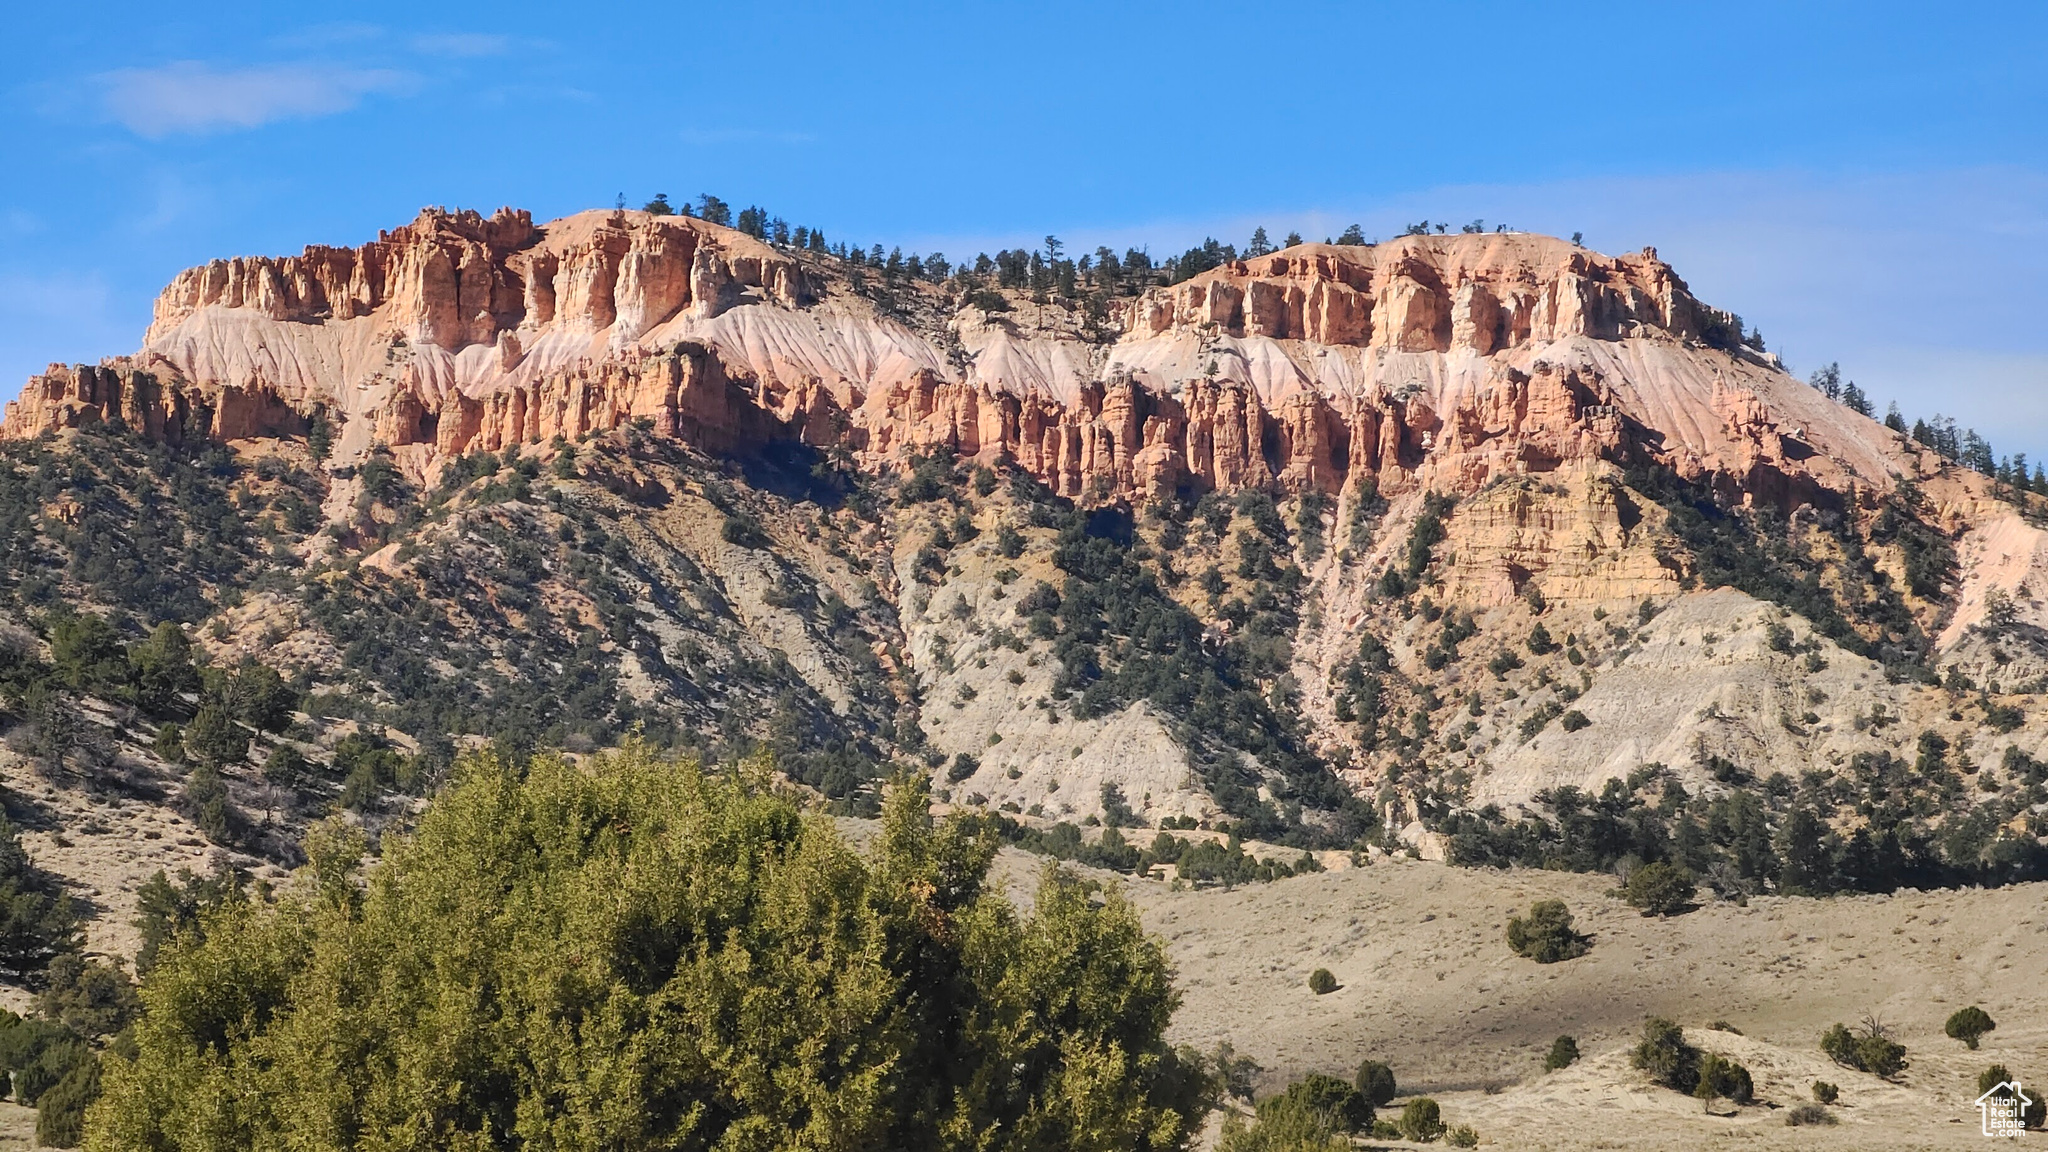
1439 362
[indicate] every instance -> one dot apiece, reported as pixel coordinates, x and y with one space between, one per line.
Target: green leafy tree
1969 1025
633 953
1660 889
1546 935
1234 1074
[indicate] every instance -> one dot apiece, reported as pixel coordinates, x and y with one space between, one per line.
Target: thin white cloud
188 97
462 44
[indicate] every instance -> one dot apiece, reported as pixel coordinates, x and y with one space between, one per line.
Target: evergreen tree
1659 888
161 669
632 953
1827 380
1854 400
1353 236
713 210
214 740
1258 245
659 206
1976 453
1969 1025
38 922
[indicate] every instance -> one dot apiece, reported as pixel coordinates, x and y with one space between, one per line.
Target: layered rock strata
1441 362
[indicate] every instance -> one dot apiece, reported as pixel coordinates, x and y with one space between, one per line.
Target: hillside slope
1325 544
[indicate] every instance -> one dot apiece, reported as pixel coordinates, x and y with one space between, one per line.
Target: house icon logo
2004 1109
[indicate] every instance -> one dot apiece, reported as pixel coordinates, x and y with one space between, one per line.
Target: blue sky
1865 182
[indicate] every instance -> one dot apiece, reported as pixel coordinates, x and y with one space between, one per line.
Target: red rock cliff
1440 361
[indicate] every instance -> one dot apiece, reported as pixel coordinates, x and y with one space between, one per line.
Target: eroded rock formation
1443 362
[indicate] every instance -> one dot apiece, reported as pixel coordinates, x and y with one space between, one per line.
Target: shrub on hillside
1325 1094
1283 1130
1421 1120
1564 1052
1546 935
2036 1114
1234 1074
91 997
1375 1082
1809 1115
1321 982
1660 889
1870 1049
1968 1025
1825 1093
35 1055
1666 1056
709 937
1722 1079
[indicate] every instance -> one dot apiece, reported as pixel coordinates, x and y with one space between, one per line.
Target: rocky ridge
1429 361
